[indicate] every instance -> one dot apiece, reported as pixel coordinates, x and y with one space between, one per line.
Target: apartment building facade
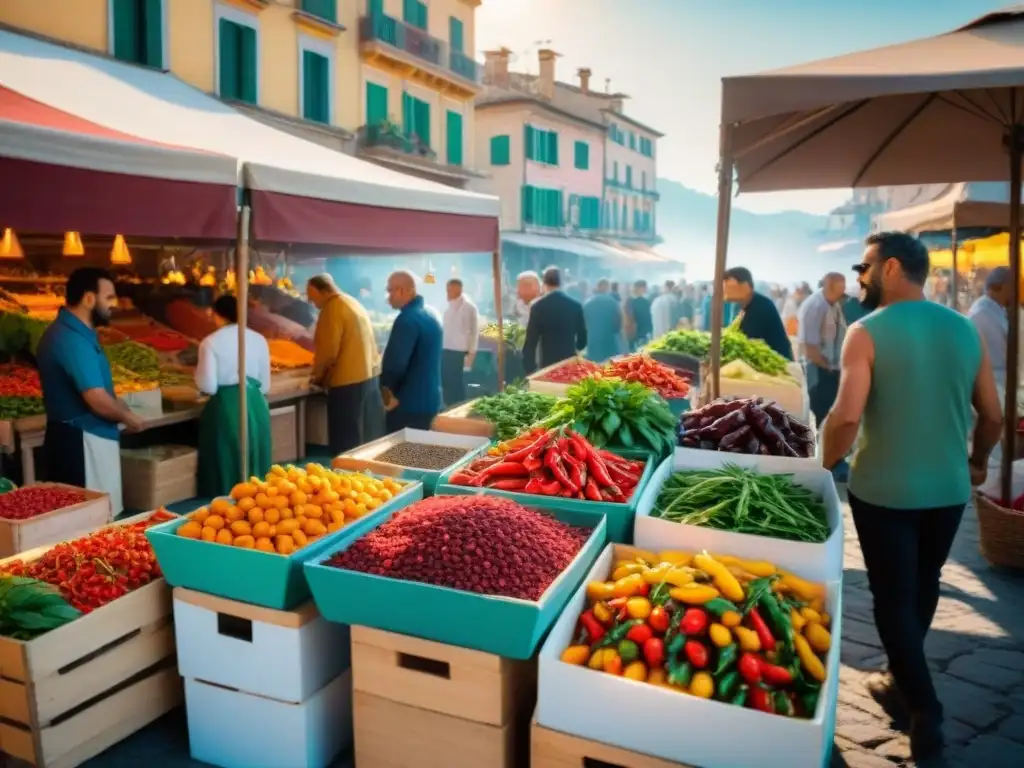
392 80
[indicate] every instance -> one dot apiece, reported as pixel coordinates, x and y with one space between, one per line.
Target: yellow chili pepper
600 590
796 619
723 579
612 662
759 568
603 613
638 607
818 603
635 671
657 676
679 577
627 569
826 620
655 576
748 639
693 594
810 615
597 660
642 555
819 638
629 585
719 635
811 663
576 654
732 619
675 557
702 685
805 590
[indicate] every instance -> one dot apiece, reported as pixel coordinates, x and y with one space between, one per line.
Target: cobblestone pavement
976 651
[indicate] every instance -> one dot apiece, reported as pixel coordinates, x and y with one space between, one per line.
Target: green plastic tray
619 516
679 405
499 625
259 578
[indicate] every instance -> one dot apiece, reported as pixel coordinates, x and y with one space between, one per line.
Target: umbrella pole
242 287
496 268
725 173
1015 142
954 282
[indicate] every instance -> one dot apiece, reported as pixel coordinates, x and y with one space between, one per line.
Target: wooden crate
553 749
462 683
460 421
157 476
73 692
393 735
316 421
56 526
284 434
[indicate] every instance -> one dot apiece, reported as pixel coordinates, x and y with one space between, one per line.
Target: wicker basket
1001 532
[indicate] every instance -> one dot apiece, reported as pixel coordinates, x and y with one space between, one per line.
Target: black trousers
823 394
904 551
453 380
355 415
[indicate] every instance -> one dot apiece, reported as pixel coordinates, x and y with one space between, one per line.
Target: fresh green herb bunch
513 410
735 346
613 412
29 608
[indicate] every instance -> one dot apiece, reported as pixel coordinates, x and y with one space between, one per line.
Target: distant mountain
776 247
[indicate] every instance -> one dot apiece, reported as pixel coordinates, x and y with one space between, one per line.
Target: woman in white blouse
220 465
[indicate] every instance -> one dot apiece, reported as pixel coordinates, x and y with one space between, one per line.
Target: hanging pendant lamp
73 244
10 248
120 254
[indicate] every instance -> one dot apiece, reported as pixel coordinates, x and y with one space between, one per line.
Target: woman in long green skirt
220 464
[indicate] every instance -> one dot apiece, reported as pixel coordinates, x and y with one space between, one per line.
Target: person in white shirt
527 293
663 310
220 464
461 334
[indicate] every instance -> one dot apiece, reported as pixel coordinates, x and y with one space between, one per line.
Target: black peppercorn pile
422 455
483 544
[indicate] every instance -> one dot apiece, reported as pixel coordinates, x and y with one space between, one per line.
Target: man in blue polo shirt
82 443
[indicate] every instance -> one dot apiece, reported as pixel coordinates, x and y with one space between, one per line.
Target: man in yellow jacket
346 365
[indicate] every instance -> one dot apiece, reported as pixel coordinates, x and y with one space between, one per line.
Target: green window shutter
456 34
454 138
552 139
154 38
500 150
376 104
582 155
127 42
325 9
529 143
414 12
248 63
615 170
422 121
528 202
408 115
643 180
316 87
376 7
629 176
229 60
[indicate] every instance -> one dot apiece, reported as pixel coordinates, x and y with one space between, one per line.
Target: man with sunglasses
910 373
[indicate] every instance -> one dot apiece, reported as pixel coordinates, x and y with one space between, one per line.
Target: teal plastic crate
679 405
499 625
259 578
619 516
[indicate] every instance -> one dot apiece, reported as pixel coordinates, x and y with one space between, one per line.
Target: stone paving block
850 696
854 653
957 732
942 645
857 759
967 702
894 749
861 632
994 752
1001 658
975 668
847 714
1013 728
867 735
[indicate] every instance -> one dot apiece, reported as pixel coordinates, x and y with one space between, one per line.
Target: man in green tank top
910 373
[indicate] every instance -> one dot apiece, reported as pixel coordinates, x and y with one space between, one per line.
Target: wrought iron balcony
387 135
381 28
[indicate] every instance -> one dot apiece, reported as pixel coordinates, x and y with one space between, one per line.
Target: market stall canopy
980 253
302 193
966 204
574 245
892 115
62 172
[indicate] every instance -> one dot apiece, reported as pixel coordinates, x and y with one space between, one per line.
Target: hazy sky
670 56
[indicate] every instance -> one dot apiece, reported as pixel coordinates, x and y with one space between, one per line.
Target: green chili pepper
659 595
675 645
719 606
617 633
779 619
741 696
727 658
727 685
628 651
783 704
679 673
810 702
755 590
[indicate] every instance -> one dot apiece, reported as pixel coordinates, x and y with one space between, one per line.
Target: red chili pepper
761 699
593 627
598 469
654 652
773 674
640 634
696 653
591 491
694 621
750 668
554 462
506 467
462 477
763 633
659 619
621 477
522 453
510 484
532 464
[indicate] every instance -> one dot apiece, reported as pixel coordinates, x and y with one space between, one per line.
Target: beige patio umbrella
937 110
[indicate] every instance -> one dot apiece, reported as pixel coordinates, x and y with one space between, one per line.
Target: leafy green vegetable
29 608
740 500
515 334
615 412
735 346
513 410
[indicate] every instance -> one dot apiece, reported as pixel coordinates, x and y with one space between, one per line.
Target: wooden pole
954 286
242 289
496 268
725 172
1015 141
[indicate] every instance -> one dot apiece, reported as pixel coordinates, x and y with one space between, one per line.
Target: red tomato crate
59 525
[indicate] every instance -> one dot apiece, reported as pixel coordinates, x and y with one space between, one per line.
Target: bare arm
105 406
813 353
839 431
990 411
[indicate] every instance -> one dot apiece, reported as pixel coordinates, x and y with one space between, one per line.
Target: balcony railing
616 184
416 42
390 136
